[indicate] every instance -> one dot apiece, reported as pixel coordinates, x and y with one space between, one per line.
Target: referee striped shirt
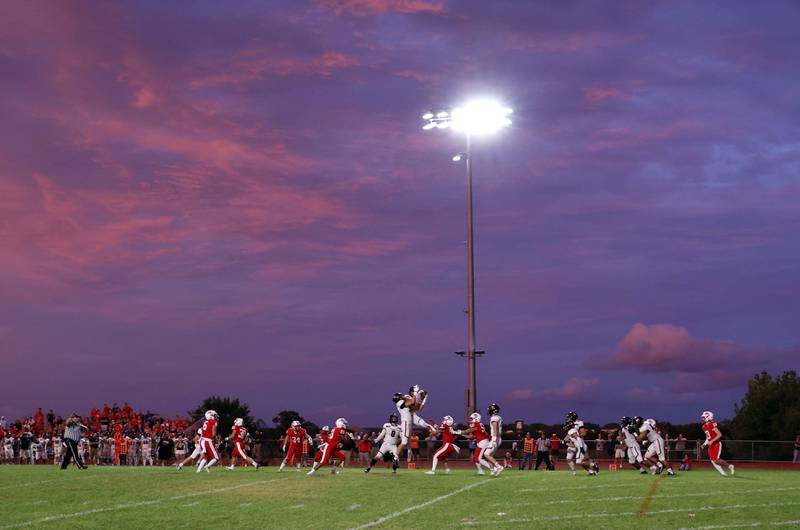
73 432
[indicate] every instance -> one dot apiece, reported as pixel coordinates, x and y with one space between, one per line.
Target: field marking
422 505
29 484
677 495
743 525
137 504
648 497
354 507
618 514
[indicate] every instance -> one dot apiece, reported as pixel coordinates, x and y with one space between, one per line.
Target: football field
112 497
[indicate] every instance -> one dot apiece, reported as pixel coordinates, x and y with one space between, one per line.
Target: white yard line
137 504
622 514
420 506
29 484
744 525
677 495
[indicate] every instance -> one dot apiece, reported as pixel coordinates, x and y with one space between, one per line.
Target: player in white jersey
57 446
390 438
577 450
634 452
8 449
656 455
408 407
197 453
495 435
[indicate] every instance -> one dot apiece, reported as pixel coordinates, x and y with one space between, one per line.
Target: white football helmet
211 414
651 422
475 417
707 415
447 420
295 423
325 429
341 423
238 422
578 424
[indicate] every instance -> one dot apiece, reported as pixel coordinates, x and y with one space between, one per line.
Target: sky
238 199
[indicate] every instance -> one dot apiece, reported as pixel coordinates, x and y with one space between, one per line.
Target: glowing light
428 126
480 117
442 114
427 116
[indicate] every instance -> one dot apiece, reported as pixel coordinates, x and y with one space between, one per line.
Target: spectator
555 446
413 447
528 445
619 450
543 449
364 449
599 444
165 450
686 463
508 461
680 446
796 456
610 445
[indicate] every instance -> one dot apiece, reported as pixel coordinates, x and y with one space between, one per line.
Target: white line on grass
697 494
137 504
744 525
27 484
420 506
619 514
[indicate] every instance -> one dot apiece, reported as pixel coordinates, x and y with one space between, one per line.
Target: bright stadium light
478 117
481 117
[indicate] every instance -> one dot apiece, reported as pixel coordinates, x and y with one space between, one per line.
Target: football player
714 443
483 446
390 438
295 436
655 456
329 450
634 452
448 445
577 450
239 437
408 406
208 433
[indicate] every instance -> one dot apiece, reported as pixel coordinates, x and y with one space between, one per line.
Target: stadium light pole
476 118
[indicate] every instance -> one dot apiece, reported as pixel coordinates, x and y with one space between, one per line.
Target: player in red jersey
295 436
239 436
448 445
482 455
208 435
329 448
714 443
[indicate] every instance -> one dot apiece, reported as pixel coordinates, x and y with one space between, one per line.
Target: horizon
242 202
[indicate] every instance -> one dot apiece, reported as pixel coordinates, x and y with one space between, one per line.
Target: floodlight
480 117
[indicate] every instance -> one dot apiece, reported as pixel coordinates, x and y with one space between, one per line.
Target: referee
72 435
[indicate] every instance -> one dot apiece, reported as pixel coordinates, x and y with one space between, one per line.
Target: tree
770 410
285 418
228 409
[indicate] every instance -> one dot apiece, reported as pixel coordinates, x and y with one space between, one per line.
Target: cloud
374 7
696 364
573 389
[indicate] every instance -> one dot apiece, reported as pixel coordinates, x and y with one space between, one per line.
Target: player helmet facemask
341 423
707 416
637 421
625 422
448 420
493 409
413 390
475 417
325 429
295 425
238 422
211 414
393 419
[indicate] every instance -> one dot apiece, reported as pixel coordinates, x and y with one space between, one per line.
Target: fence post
752 451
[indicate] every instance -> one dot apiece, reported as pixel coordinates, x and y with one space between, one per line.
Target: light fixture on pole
476 118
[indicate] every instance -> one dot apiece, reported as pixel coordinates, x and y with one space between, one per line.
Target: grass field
105 497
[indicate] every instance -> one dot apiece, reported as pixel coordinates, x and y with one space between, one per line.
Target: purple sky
241 201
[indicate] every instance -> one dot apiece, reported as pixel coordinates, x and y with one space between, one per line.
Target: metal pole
472 396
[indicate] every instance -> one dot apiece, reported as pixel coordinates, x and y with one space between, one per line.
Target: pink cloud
597 94
573 389
373 7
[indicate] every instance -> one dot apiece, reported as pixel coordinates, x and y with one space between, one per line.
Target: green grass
45 497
